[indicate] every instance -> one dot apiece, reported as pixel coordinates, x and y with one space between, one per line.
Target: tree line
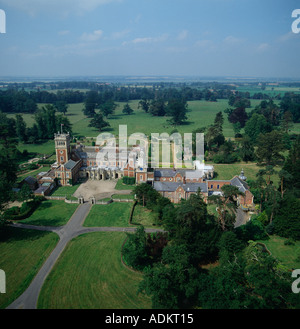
47 122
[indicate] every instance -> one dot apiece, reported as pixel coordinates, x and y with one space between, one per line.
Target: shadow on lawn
10 234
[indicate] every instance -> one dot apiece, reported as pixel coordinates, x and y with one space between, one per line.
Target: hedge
26 210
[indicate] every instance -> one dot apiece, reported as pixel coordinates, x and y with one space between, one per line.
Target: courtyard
98 189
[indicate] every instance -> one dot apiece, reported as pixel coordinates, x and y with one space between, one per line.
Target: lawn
143 216
51 213
114 214
40 149
228 171
287 255
120 186
66 191
123 196
90 275
22 254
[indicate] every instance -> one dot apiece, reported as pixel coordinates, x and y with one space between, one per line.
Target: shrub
128 180
27 208
253 230
270 228
289 242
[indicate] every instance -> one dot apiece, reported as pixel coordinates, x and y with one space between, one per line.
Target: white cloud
160 38
182 35
288 36
231 40
62 7
263 47
205 44
94 36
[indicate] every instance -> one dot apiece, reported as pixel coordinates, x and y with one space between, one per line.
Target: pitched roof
30 180
171 187
70 164
240 184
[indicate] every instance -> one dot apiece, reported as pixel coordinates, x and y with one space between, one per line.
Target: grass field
22 254
201 114
120 186
287 255
51 213
114 214
90 275
143 216
225 171
66 191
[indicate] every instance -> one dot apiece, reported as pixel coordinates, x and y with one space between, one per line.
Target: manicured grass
143 216
123 196
90 275
287 255
228 171
51 213
120 186
114 214
41 149
211 208
67 191
22 254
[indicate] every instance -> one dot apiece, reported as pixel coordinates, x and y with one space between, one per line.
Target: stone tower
62 147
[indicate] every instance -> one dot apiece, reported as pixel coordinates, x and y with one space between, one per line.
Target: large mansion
79 162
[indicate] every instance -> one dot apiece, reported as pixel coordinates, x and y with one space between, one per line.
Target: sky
236 38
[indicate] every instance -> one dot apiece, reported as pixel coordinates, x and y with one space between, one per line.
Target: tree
284 177
286 222
238 115
214 135
144 104
134 250
157 107
61 106
292 165
146 194
269 147
247 149
177 109
226 206
25 193
287 121
108 108
256 125
127 109
90 103
98 122
63 121
21 128
173 282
